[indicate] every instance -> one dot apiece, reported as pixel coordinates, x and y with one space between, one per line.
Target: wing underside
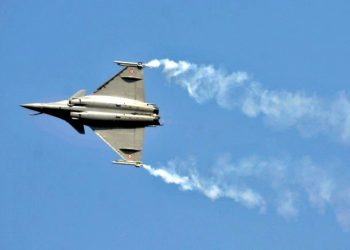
127 142
128 83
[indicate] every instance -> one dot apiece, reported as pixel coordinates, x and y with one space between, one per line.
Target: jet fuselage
104 110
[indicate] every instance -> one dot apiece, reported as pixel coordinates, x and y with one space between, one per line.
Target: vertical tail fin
80 93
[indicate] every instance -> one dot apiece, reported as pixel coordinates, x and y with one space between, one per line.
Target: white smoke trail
286 185
308 113
212 190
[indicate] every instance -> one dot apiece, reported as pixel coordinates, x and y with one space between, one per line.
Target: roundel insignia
129 156
131 71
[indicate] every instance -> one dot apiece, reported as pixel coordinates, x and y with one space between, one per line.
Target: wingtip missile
132 64
133 163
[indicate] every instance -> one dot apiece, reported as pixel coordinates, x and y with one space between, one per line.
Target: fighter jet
116 112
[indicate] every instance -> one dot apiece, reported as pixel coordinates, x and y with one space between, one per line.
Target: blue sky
265 159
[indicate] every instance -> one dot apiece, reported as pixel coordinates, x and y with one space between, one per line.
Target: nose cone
33 106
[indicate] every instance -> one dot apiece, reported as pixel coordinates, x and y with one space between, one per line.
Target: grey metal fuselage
101 111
